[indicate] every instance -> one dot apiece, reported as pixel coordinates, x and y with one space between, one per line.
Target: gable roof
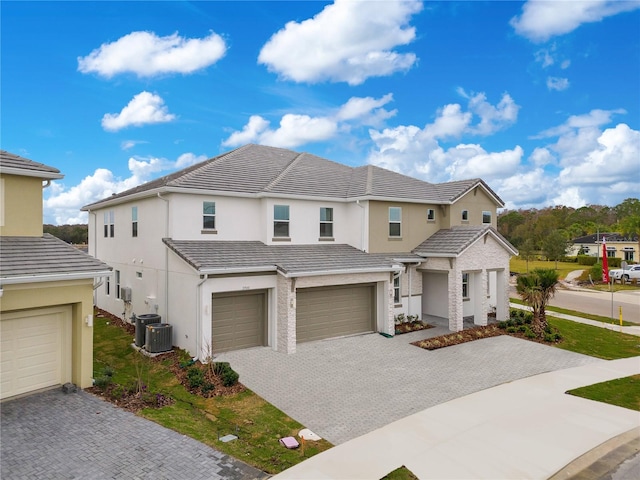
225 257
454 241
43 259
261 171
13 164
610 238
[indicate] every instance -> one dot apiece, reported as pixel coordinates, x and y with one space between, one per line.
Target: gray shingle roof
452 242
221 256
15 164
258 169
24 259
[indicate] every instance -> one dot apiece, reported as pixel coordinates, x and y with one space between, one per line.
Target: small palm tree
536 289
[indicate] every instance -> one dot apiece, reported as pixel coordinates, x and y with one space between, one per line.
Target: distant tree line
550 230
74 234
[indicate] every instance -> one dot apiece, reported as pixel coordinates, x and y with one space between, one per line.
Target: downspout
362 229
95 252
166 259
409 299
203 279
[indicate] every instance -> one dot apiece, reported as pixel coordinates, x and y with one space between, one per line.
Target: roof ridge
284 171
369 185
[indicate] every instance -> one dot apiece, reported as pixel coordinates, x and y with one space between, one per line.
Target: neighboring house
266 246
618 246
46 289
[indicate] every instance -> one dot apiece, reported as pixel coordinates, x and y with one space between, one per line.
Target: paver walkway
526 429
52 435
344 388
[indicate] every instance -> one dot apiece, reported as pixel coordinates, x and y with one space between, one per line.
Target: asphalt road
597 303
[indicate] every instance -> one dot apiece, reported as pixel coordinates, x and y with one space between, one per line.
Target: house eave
345 271
56 277
235 270
31 173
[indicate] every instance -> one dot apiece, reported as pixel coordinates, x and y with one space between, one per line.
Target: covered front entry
239 320
36 349
325 312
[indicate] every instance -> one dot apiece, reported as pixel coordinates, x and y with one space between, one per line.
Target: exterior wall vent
159 337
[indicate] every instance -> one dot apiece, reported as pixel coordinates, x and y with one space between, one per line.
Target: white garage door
35 350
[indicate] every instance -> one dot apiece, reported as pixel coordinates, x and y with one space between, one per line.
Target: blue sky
540 99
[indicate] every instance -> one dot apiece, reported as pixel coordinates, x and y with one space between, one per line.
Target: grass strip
575 313
623 392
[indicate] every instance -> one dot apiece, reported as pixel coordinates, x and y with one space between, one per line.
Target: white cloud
595 118
493 118
296 130
542 19
62 204
128 144
557 83
541 157
347 42
472 161
147 55
145 108
450 122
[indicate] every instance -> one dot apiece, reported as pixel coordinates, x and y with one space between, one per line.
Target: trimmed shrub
586 260
511 329
195 377
227 374
102 382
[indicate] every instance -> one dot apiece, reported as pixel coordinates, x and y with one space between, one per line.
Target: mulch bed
407 327
457 338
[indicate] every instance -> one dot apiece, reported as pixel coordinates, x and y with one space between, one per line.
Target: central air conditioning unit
141 322
159 338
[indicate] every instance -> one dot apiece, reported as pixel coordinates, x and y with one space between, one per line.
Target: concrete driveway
347 387
52 435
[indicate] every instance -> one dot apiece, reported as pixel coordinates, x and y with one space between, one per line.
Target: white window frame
465 286
485 214
117 278
431 214
281 222
134 222
395 221
397 298
464 215
208 215
107 287
326 222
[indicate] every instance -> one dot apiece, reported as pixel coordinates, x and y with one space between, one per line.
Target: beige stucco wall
415 227
22 206
475 202
78 294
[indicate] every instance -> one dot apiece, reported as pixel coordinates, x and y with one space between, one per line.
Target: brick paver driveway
344 388
52 435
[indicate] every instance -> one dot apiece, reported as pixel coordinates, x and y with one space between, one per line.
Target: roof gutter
58 277
345 271
31 173
231 270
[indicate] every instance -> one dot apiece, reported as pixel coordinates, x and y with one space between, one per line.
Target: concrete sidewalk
525 429
630 330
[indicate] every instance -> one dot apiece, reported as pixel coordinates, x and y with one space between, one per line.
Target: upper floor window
465 285
281 220
134 221
486 217
431 214
395 221
465 215
109 223
209 215
326 222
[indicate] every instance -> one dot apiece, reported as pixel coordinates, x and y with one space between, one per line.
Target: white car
630 272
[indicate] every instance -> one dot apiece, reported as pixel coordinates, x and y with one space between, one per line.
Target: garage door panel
36 350
334 311
238 320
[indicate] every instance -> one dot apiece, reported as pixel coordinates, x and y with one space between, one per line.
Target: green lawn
595 341
623 392
402 473
258 424
575 313
518 265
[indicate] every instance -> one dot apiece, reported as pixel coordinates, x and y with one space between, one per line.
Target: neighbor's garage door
35 350
326 312
239 320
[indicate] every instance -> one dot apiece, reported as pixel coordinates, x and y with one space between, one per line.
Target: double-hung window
281 221
209 215
395 221
117 274
326 222
134 221
465 286
109 223
396 289
486 217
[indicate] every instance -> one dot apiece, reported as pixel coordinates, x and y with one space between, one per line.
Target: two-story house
266 246
46 289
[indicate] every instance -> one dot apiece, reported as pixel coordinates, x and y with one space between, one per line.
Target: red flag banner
605 263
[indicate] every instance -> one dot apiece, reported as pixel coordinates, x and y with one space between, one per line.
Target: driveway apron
343 388
52 435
